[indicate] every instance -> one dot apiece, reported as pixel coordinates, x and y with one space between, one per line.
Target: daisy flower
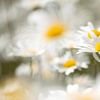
51 19
52 27
89 40
68 63
50 32
75 92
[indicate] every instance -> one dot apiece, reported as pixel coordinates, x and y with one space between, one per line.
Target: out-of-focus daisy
75 92
51 18
51 32
89 40
68 64
52 27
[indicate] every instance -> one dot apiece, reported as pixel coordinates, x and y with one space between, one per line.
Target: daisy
54 18
75 92
52 27
68 64
50 32
89 40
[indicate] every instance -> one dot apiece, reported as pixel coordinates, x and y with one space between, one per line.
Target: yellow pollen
97 46
95 31
69 63
55 30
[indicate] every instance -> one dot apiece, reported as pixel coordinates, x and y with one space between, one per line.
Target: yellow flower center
95 31
97 46
55 30
69 63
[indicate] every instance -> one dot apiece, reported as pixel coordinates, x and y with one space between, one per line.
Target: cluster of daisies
51 43
48 40
89 40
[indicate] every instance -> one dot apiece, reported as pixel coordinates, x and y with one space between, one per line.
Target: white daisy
52 26
47 28
68 64
89 41
50 33
75 92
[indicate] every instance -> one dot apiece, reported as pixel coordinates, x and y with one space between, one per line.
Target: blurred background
18 60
